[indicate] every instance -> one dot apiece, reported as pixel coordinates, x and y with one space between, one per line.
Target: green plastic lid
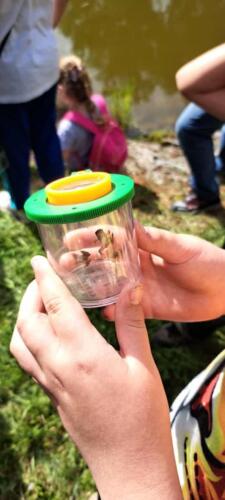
39 210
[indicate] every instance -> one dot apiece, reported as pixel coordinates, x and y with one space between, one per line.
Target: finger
31 301
58 265
67 262
88 237
39 337
109 312
32 323
171 247
66 315
130 325
79 238
24 357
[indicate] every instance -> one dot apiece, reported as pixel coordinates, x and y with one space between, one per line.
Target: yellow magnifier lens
80 187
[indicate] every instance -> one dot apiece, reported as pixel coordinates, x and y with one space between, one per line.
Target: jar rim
38 209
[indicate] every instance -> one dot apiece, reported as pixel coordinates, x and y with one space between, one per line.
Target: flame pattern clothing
198 433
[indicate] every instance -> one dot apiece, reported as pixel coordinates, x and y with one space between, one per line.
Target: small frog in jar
107 247
107 250
83 257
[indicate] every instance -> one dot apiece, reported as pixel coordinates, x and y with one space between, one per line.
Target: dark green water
142 43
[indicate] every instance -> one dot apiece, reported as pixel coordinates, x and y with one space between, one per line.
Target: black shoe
176 334
221 175
171 335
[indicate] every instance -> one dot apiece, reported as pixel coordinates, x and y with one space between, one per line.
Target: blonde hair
77 84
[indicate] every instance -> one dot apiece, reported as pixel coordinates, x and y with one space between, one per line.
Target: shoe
6 201
192 204
221 176
177 334
171 335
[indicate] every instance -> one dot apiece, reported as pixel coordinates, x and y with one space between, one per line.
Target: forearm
147 481
139 491
58 10
203 81
140 473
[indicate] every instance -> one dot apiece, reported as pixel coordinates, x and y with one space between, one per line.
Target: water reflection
160 5
143 43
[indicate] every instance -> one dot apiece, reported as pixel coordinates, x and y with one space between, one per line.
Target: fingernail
136 295
38 261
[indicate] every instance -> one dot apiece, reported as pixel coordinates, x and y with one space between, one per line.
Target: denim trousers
194 129
25 127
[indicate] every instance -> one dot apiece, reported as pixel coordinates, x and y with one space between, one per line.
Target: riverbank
161 173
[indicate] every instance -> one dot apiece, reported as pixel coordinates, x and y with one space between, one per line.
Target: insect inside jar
107 243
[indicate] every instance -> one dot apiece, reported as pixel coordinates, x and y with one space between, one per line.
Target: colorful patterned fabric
198 432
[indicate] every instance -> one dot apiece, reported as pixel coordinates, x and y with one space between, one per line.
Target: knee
181 129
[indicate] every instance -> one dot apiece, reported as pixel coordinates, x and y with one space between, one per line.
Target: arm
202 81
59 7
74 142
67 156
67 137
112 404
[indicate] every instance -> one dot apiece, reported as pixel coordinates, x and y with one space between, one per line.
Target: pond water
141 45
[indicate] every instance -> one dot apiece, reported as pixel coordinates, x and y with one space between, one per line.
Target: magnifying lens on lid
80 187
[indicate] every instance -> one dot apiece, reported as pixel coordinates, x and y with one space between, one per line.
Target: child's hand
112 404
183 276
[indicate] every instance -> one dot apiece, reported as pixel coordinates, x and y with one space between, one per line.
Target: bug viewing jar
86 227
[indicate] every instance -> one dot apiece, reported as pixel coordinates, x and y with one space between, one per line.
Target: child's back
76 141
89 136
75 91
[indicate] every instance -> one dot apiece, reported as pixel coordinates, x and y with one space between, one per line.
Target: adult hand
112 403
183 276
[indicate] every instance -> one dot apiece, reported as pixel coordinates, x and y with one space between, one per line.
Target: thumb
130 325
173 248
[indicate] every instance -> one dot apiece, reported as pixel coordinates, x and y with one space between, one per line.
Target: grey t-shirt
76 139
29 61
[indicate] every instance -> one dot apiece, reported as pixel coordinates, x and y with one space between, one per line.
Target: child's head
74 81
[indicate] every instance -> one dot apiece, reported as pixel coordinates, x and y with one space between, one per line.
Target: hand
183 276
112 403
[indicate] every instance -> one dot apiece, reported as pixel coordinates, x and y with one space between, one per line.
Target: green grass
121 101
37 460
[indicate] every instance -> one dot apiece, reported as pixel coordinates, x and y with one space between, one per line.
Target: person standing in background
202 82
29 72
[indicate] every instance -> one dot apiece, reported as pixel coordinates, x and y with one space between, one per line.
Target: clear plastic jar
91 245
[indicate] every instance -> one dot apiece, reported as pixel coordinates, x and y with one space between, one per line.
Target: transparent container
90 244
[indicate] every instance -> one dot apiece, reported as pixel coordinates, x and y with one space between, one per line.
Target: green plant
121 102
37 459
160 135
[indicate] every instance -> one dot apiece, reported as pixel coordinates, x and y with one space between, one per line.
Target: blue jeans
25 127
194 129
